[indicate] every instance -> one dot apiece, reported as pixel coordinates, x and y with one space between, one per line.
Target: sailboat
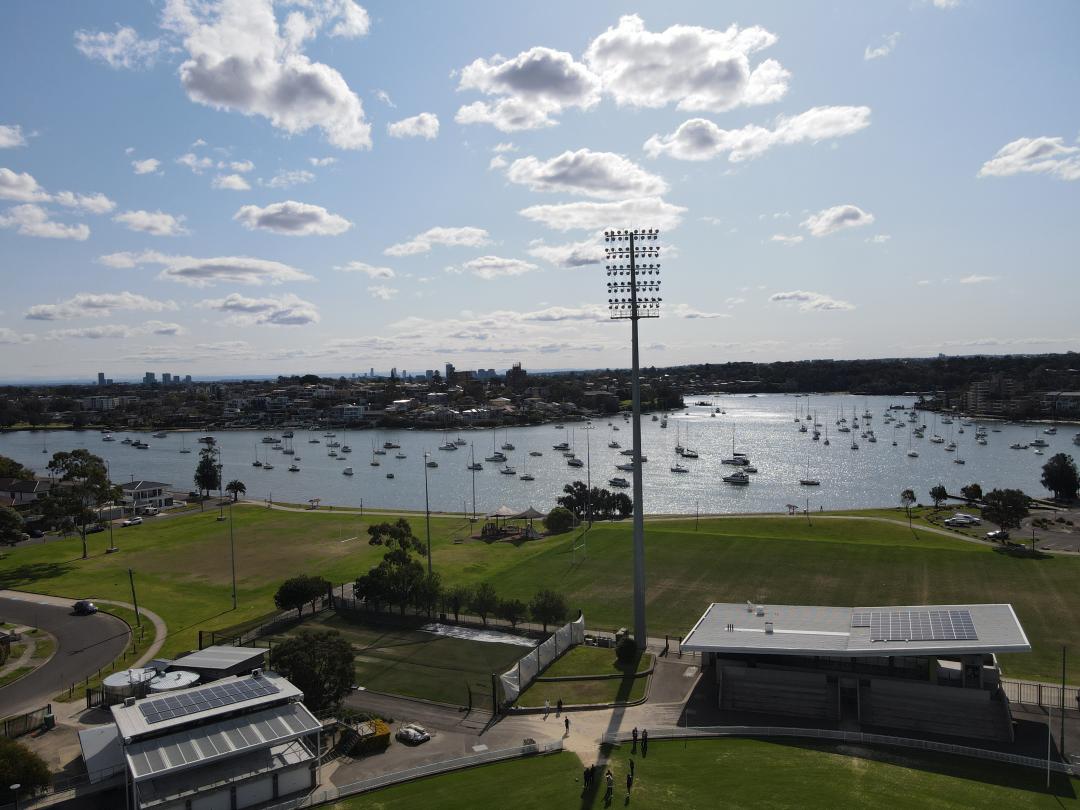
525 476
958 459
374 461
266 464
496 456
473 464
256 462
183 444
737 459
911 453
807 481
826 435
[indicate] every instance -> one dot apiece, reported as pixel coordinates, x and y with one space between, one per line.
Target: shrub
559 520
626 651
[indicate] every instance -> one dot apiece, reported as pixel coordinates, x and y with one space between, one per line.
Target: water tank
128 683
178 679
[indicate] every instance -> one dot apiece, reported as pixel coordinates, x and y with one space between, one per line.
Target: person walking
610 785
547 707
585 777
567 721
644 742
629 784
634 732
558 707
631 766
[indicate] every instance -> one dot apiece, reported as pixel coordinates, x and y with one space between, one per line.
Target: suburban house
16 492
140 495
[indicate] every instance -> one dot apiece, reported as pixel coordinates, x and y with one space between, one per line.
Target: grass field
415 663
181 567
579 693
582 660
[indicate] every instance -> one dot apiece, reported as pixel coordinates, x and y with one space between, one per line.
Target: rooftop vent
760 610
129 701
768 628
257 672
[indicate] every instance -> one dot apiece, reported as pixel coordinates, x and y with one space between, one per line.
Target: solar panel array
198 700
917 625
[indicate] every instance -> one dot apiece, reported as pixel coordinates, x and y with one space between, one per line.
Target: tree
973 492
1060 477
939 495
84 487
428 592
236 488
207 473
1005 507
296 592
21 766
512 610
10 468
320 663
11 526
559 520
484 601
907 498
548 607
576 499
457 598
398 534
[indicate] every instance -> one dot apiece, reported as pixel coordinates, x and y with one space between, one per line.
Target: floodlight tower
632 299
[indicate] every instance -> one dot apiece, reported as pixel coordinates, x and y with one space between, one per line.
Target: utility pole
427 513
232 555
624 303
134 600
588 473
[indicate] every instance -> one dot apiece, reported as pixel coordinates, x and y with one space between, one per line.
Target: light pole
232 555
472 467
112 543
220 483
427 512
15 794
588 473
624 303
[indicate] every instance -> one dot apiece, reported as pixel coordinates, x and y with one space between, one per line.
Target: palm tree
236 488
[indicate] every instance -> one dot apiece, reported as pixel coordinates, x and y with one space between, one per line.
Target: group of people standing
589 776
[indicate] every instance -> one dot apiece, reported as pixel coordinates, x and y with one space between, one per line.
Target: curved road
84 644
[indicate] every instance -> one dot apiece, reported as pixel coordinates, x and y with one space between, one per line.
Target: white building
140 495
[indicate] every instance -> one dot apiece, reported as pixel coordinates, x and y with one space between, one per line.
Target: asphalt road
84 645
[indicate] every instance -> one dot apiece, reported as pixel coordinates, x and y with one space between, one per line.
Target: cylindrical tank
178 679
128 683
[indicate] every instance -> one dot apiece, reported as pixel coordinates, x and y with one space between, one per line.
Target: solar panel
921 625
183 704
860 618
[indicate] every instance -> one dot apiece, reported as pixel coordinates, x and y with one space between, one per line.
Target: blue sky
319 185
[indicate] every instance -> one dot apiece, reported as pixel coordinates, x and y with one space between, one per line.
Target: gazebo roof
530 514
503 512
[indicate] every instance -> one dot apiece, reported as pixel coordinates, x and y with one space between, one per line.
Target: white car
413 734
132 521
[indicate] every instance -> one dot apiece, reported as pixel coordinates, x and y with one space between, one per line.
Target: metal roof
829 631
221 656
135 486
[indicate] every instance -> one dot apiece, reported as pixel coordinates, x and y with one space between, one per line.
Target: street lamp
588 472
631 298
427 511
220 483
15 793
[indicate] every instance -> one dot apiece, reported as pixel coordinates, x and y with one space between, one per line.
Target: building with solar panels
929 669
235 743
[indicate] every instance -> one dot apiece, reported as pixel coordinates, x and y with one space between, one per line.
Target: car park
84 607
132 521
412 734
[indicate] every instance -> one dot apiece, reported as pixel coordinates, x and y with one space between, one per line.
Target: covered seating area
502 524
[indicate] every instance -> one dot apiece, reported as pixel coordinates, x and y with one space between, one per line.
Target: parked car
84 607
412 734
960 521
998 534
37 534
132 521
95 528
970 520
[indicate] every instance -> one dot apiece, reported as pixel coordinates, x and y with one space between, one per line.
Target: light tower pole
625 302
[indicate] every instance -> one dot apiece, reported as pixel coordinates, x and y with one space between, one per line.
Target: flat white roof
846 632
219 656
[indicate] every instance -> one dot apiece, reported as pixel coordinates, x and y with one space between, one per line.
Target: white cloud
286 310
368 270
786 239
285 179
122 48
925 282
116 331
691 313
595 174
90 203
293 219
200 272
10 336
155 223
466 236
11 135
230 182
946 4
699 139
503 146
322 162
382 291
490 267
146 166
384 97
240 60
21 187
696 68
1042 155
810 301
837 218
974 278
33 220
734 302
425 125
497 162
888 43
195 163
570 254
879 239
96 305
645 212
240 165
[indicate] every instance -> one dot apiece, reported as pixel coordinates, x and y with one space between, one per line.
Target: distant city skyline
290 188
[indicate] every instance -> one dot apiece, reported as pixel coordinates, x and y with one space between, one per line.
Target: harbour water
763 427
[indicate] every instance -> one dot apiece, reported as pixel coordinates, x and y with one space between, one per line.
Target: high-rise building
101 378
166 378
372 372
429 373
149 378
449 372
187 378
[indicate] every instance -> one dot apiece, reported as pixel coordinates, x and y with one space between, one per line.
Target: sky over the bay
228 187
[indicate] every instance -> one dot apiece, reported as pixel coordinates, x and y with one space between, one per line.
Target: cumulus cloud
786 239
975 278
96 305
696 68
497 162
594 174
239 59
319 163
285 179
90 203
239 165
382 291
425 125
691 313
810 301
367 269
122 48
155 223
837 218
10 336
569 254
286 310
200 272
466 236
292 219
21 187
699 139
888 42
147 166
230 182
503 146
11 136
879 239
1043 155
197 164
33 220
595 216
116 331
489 267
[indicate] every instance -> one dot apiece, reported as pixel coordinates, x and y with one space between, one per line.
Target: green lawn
582 660
181 567
13 675
578 693
415 663
704 774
